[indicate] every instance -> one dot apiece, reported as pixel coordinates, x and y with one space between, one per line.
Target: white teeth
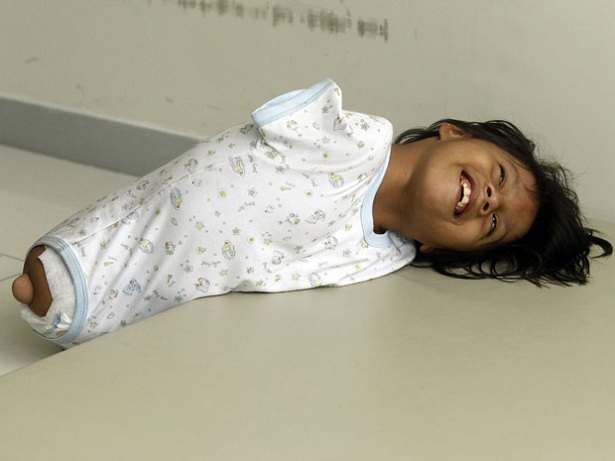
465 199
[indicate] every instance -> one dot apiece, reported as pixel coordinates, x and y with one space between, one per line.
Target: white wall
194 66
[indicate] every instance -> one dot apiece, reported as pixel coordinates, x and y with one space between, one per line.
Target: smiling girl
307 195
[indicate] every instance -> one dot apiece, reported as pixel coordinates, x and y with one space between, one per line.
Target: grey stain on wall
315 19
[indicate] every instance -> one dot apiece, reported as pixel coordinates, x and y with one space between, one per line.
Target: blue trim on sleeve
81 296
367 217
289 103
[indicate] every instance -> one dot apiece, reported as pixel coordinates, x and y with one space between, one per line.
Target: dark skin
31 287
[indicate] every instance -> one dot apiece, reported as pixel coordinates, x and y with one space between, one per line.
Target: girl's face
467 194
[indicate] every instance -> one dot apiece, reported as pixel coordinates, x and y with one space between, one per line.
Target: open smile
464 196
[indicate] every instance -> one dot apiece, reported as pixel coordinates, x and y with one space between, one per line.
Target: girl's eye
502 174
494 224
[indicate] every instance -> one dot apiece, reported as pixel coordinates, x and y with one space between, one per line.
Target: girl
306 195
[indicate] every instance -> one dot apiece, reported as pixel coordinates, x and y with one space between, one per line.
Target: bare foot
31 287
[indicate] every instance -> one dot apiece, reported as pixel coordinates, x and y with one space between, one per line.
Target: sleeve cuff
289 103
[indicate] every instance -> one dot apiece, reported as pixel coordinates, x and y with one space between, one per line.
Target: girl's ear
449 131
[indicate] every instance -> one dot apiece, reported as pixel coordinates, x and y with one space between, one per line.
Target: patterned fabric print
270 208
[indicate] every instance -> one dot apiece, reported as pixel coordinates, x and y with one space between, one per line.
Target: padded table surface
413 366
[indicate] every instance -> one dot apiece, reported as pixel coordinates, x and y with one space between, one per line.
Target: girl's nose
492 200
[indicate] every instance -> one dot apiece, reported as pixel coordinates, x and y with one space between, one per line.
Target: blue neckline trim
367 217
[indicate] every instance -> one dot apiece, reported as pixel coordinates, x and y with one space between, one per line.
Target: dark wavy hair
557 247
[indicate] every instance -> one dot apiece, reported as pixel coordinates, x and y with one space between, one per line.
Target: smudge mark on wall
315 19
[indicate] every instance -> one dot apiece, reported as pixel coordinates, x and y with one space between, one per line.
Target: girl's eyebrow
516 164
505 225
514 186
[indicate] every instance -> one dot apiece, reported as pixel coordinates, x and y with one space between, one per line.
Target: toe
23 291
